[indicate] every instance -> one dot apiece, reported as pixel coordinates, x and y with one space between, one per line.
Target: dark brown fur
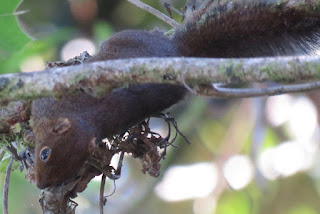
135 43
240 30
254 30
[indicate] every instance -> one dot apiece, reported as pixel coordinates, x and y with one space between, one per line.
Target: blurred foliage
43 47
15 45
23 196
239 201
101 31
12 39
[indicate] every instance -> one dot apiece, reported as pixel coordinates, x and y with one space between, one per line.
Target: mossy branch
101 77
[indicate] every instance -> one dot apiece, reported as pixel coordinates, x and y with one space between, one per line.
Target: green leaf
12 38
5 162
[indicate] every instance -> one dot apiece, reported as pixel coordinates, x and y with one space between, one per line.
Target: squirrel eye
45 154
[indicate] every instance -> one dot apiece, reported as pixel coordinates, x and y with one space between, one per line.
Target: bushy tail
246 28
126 107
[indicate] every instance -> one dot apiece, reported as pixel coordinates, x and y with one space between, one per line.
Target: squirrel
65 130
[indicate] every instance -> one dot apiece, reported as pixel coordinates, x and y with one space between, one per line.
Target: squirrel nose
41 181
42 185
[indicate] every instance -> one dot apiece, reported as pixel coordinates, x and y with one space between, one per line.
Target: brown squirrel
66 129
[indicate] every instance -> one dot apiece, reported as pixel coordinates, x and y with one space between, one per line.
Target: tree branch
101 77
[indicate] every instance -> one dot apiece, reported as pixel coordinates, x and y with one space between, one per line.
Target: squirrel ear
62 126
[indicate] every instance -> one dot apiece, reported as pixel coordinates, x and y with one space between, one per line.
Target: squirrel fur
66 129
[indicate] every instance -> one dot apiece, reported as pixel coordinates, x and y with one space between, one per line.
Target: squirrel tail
257 28
130 106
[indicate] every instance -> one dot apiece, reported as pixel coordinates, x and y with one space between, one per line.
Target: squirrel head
61 149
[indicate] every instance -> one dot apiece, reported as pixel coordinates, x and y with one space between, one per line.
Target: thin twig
6 187
269 91
102 200
258 136
95 163
155 12
176 10
16 13
13 150
2 153
205 8
175 125
120 164
183 80
169 8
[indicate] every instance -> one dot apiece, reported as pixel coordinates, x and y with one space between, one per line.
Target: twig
6 187
155 12
175 125
183 80
204 9
258 136
120 164
16 13
169 8
269 91
102 199
2 153
13 150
